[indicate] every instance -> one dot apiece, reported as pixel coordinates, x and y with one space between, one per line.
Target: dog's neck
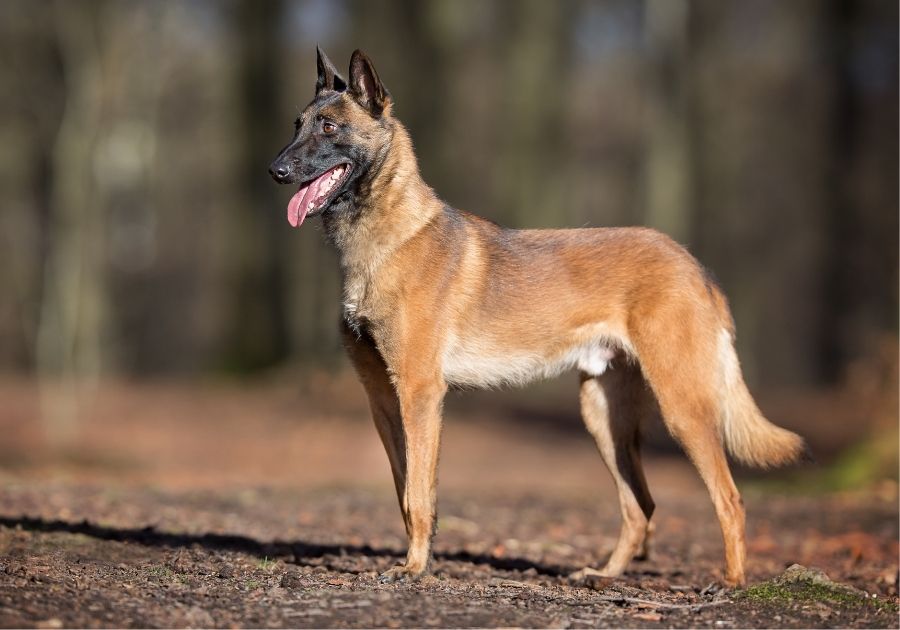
391 205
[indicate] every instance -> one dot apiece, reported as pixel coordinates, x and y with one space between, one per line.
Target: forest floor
214 506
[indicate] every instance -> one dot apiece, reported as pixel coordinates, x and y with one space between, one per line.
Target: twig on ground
661 605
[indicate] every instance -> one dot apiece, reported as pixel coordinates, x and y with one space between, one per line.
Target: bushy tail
749 437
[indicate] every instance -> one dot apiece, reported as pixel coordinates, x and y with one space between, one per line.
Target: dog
434 297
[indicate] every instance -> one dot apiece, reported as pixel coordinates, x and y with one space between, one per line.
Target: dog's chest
356 308
350 308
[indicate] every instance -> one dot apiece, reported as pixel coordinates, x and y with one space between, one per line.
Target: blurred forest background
143 238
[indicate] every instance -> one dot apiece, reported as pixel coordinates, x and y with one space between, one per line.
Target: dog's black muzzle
281 171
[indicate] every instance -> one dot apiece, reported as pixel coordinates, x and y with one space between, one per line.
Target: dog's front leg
421 401
383 401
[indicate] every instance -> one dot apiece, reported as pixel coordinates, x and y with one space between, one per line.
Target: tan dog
435 297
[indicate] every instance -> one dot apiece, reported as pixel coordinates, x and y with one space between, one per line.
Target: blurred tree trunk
257 335
861 268
98 172
422 52
667 174
30 115
74 307
763 111
529 188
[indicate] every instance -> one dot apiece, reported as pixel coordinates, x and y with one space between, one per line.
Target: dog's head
338 139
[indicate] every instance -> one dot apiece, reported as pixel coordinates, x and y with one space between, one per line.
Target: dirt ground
213 505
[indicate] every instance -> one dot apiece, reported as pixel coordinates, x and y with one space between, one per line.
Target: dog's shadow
296 552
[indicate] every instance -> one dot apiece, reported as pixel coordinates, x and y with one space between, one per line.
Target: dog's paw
591 578
399 573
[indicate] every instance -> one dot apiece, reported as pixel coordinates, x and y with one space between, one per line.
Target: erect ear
329 79
365 86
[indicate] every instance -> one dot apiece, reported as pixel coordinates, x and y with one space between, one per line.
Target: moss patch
801 585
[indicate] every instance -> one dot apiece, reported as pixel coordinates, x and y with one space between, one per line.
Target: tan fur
751 438
435 297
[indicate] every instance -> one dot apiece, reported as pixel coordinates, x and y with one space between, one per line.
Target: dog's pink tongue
296 210
298 206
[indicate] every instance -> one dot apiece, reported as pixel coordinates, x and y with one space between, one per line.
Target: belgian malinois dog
435 297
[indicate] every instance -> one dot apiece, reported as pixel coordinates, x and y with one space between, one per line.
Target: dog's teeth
310 205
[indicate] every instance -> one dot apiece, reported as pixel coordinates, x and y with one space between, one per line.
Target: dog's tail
749 437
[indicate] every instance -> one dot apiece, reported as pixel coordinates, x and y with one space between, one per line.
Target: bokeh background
151 289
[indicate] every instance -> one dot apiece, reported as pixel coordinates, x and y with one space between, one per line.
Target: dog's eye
329 127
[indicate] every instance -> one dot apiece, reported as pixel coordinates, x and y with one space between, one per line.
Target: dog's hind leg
703 445
612 406
689 401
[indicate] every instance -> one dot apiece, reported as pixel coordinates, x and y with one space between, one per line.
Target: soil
212 506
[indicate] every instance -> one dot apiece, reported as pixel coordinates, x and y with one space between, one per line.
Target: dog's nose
279 172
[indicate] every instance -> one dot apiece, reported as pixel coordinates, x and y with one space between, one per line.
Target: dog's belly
479 363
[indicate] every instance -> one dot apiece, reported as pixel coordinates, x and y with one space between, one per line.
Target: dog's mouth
316 194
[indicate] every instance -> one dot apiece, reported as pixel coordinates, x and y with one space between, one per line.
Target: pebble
291 580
